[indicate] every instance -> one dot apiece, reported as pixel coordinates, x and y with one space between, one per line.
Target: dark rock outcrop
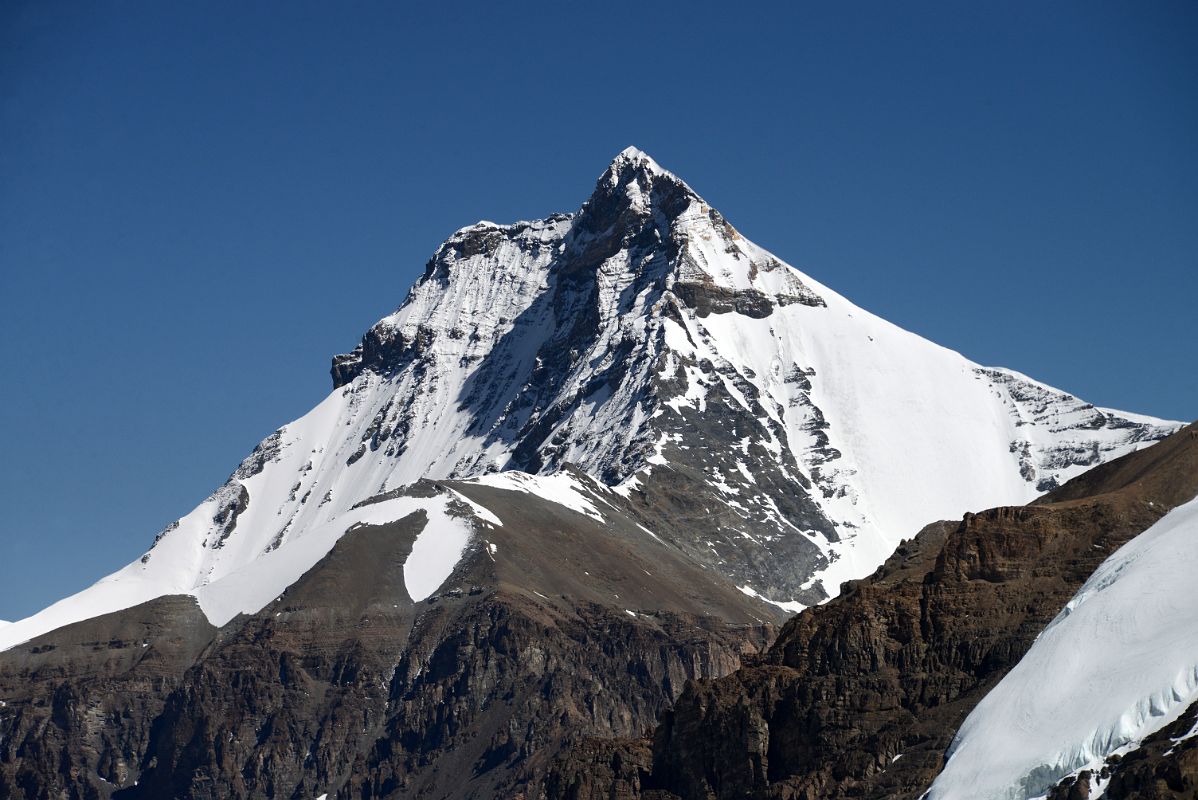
344 685
77 706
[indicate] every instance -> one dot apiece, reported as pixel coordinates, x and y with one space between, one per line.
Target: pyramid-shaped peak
634 179
638 157
633 161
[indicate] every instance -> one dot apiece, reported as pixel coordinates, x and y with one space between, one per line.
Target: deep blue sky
201 203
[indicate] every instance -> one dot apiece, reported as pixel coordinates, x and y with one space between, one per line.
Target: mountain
647 344
589 461
1058 633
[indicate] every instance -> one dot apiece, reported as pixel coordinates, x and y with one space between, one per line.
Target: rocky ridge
344 685
861 697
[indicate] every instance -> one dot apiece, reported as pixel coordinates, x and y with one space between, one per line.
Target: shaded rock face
515 683
760 525
470 704
861 697
344 685
77 706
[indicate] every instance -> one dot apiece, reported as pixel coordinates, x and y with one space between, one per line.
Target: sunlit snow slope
230 585
1117 664
771 430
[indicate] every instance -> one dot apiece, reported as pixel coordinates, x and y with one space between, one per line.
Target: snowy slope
229 587
1117 664
917 432
641 339
562 489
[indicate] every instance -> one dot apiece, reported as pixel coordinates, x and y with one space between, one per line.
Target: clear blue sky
200 203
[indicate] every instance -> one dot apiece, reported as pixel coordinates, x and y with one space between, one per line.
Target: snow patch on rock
561 488
792 606
435 554
253 585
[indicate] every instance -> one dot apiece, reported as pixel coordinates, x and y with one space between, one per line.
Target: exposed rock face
77 706
345 686
861 697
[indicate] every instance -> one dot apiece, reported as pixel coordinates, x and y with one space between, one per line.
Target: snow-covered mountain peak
632 193
765 426
633 159
642 230
643 337
634 153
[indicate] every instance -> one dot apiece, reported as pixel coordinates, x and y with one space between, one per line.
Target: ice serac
758 422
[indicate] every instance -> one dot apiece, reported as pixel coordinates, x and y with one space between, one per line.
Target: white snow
923 434
646 530
484 514
253 585
437 550
792 606
625 488
1118 663
562 488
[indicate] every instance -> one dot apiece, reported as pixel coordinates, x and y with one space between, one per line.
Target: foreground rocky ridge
344 685
861 697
